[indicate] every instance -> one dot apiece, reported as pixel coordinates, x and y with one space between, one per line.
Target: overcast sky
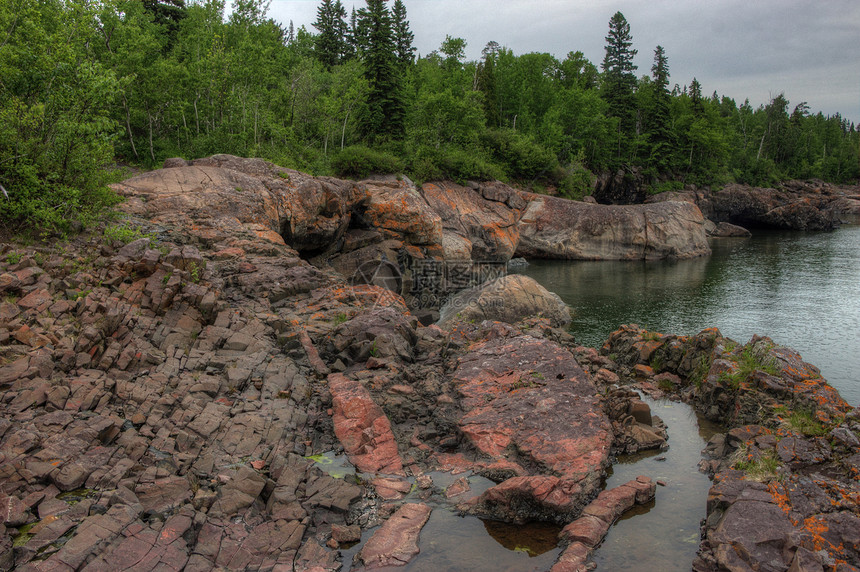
756 49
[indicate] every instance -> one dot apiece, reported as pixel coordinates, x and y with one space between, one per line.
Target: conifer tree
330 45
619 79
659 132
403 36
385 105
486 83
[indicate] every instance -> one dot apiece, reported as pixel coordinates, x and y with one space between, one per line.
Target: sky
807 49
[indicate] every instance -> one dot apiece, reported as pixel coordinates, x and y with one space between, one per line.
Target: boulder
380 332
507 299
558 228
729 230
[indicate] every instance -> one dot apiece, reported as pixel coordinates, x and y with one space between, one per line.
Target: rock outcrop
165 403
794 206
479 223
786 475
556 228
507 299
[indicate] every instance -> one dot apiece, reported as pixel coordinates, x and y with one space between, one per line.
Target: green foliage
522 157
805 423
56 132
83 84
664 186
749 361
124 234
761 468
359 162
459 165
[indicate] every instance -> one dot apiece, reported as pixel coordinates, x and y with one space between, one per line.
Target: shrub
520 155
359 162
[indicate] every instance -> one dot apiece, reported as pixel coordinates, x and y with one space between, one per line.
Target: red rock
362 427
396 541
587 529
33 339
531 394
36 299
457 488
573 559
391 489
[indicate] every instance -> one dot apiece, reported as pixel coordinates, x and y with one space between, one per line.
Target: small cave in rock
307 250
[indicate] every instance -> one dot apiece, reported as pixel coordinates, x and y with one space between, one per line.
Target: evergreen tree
619 79
659 133
485 81
358 32
331 44
403 36
696 97
385 105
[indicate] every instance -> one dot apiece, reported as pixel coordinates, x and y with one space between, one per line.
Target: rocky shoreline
163 401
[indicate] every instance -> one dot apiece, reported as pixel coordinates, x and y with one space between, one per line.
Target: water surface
664 534
800 289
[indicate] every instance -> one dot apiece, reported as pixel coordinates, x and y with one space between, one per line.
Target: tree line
85 83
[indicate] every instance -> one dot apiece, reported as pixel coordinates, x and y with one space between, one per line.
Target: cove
800 289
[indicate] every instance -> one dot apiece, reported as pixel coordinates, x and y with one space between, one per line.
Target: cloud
740 48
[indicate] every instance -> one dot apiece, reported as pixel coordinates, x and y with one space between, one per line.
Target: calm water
800 289
679 506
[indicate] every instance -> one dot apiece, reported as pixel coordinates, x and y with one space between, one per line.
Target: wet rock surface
786 492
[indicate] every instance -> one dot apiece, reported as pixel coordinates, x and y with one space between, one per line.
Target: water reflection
533 538
663 534
801 289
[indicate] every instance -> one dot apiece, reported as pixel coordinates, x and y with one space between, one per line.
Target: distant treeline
85 83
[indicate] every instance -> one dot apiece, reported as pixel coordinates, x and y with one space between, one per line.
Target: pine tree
385 105
403 36
619 79
330 45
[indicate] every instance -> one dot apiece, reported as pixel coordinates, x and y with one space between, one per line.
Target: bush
520 155
359 162
459 165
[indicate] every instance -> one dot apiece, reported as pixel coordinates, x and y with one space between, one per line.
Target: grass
805 423
125 234
748 362
657 363
703 365
665 385
762 469
340 318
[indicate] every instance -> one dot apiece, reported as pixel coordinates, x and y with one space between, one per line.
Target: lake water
800 289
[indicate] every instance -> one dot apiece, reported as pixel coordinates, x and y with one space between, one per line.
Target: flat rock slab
528 402
396 541
362 428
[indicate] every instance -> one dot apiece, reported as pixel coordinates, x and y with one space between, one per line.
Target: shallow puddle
662 535
449 542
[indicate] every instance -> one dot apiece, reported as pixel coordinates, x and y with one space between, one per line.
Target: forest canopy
85 84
